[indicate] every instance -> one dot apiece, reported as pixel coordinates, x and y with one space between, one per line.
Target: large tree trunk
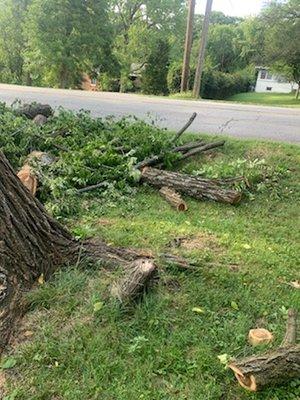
200 188
33 243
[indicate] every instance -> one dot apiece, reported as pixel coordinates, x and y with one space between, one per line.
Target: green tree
138 24
282 44
154 76
12 41
224 47
65 39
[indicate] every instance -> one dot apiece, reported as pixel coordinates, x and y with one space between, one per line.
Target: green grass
268 99
161 349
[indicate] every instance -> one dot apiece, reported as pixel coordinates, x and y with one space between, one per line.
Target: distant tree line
133 45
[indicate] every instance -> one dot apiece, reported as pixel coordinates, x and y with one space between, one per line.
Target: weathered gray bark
31 243
199 188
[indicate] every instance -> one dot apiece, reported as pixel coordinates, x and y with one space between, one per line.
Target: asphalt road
238 120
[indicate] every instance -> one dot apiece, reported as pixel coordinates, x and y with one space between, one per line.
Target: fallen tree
32 243
273 368
199 188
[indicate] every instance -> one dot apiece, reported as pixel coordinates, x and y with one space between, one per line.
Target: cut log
196 187
173 198
27 175
256 372
273 368
135 281
32 110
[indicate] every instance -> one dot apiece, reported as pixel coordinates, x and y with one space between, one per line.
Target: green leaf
224 358
234 305
98 306
198 310
9 363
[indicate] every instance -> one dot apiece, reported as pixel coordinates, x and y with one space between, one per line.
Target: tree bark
173 198
33 243
135 281
196 187
272 368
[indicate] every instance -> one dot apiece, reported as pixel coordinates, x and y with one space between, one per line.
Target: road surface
238 120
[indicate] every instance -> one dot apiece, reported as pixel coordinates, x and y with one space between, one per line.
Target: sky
238 8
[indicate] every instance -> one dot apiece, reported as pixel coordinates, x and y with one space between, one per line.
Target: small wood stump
259 336
136 280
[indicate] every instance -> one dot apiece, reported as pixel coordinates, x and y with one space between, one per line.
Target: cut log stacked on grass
199 188
173 198
273 368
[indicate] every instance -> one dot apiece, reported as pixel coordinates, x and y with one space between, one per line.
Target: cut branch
201 149
196 187
186 150
291 329
184 128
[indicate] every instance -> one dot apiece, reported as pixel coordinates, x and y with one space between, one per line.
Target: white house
268 82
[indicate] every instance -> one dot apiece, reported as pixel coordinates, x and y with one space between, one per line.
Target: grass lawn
268 99
75 344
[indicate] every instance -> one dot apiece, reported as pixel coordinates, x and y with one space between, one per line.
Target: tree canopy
55 42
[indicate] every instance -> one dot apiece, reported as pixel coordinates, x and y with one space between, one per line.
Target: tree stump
135 281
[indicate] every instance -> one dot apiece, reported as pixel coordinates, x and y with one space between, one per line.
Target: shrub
215 84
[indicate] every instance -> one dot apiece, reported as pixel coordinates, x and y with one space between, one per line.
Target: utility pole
203 40
188 46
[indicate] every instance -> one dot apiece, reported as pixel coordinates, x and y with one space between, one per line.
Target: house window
268 88
263 74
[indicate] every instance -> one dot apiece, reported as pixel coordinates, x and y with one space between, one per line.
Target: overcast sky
239 8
